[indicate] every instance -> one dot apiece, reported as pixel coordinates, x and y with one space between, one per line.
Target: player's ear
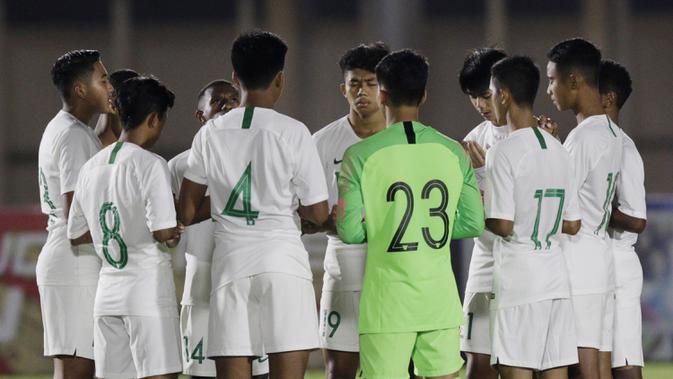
574 82
424 98
234 79
79 89
279 80
342 88
153 120
383 97
199 116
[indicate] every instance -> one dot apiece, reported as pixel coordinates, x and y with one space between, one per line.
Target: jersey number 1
243 188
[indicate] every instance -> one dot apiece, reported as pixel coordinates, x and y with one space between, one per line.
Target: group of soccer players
390 193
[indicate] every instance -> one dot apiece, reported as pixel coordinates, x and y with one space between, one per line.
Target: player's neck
80 111
520 118
365 127
135 136
613 114
105 129
588 104
401 113
258 98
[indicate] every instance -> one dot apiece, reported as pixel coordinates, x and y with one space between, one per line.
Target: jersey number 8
112 234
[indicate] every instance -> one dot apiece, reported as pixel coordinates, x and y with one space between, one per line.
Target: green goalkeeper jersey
407 191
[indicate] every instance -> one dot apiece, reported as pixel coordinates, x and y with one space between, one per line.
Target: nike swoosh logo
337 162
263 359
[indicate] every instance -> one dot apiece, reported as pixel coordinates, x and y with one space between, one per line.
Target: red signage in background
22 234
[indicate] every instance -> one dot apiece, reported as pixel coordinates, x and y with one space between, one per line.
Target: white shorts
136 346
608 324
194 331
627 348
590 318
475 332
339 312
67 318
538 336
260 314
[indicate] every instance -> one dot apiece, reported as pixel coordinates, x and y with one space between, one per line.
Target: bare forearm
622 221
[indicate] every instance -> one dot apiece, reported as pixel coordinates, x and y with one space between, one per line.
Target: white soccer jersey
122 196
66 144
529 181
197 242
344 268
258 164
480 276
595 147
630 193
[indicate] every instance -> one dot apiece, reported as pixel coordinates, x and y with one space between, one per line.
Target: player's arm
571 227
622 221
193 204
469 220
499 194
72 153
350 225
317 213
67 203
77 227
309 179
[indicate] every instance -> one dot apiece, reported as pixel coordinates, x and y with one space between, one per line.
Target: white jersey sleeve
73 151
308 174
196 165
77 224
159 205
631 182
571 211
499 186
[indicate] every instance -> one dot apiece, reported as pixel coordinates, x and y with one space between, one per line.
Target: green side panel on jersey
115 150
247 117
540 138
411 193
45 188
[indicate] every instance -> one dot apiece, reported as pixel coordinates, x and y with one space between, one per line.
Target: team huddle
554 282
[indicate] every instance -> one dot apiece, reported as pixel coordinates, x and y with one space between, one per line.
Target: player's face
559 88
99 90
482 103
361 89
220 99
497 107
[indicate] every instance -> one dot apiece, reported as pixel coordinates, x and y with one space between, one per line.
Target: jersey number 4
396 244
242 189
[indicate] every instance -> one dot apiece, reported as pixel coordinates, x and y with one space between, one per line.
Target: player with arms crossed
215 98
628 219
67 276
123 203
530 199
344 264
259 167
595 147
475 340
410 308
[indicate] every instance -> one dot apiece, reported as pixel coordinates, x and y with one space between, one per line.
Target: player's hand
476 153
307 227
330 225
549 125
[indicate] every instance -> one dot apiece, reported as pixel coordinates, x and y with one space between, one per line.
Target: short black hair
475 75
615 77
577 54
71 66
120 76
257 57
520 75
140 96
403 75
213 84
363 56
